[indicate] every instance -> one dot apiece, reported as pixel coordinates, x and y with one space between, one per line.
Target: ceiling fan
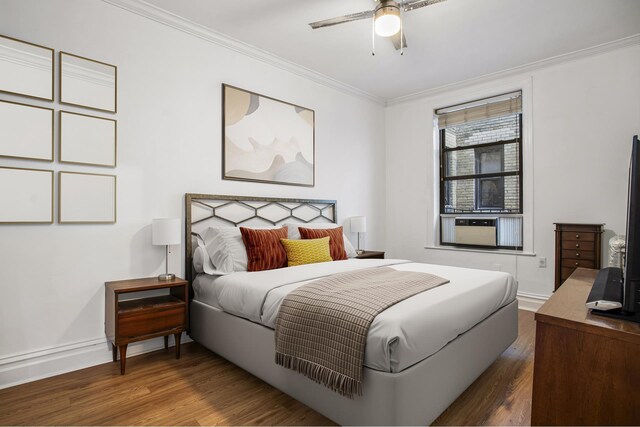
386 16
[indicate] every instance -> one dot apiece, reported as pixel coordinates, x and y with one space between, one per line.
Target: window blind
481 109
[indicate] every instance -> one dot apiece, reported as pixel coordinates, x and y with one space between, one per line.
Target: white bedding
400 336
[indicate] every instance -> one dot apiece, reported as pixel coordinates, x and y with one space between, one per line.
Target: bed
421 353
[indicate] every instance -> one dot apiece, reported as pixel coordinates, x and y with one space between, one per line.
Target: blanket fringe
336 381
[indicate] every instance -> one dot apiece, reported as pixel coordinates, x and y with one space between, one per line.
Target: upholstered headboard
208 210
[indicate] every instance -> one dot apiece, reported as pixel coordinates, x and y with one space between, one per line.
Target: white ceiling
448 42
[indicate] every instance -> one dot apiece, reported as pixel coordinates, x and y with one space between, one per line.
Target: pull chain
401 29
373 35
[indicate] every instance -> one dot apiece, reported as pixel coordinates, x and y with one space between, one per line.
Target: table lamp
359 225
165 231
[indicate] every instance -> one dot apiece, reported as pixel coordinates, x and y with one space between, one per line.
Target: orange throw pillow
264 250
336 243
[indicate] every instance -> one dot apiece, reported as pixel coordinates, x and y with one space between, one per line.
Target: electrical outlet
542 262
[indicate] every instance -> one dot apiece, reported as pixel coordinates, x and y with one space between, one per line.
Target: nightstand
144 318
371 254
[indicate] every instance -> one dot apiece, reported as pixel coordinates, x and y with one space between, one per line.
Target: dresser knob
577 264
577 254
577 245
577 236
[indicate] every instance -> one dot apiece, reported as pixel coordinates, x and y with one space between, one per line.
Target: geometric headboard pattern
210 210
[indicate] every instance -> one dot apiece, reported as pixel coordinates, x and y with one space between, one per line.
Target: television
631 274
616 291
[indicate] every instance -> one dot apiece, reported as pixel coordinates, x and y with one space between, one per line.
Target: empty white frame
26 131
87 140
26 69
26 196
86 198
88 83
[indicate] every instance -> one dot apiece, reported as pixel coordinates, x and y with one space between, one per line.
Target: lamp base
166 277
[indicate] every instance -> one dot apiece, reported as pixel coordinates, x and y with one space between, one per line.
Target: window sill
484 251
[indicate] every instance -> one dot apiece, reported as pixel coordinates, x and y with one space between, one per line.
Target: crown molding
521 69
149 11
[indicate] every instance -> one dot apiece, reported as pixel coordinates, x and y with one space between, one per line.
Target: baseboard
23 368
530 302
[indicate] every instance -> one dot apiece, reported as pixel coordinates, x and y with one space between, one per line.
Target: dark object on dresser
371 254
144 318
577 245
586 369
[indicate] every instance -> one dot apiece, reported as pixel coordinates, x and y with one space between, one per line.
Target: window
480 164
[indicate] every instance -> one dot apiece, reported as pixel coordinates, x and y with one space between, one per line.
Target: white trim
526 68
157 14
530 302
34 365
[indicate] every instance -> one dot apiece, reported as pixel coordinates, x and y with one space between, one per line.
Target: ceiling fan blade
416 4
342 19
395 39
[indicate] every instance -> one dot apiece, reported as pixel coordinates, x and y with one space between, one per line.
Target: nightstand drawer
575 263
146 322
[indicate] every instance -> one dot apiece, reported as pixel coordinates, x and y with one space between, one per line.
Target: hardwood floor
204 389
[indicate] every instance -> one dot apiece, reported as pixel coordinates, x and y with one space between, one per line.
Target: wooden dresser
587 367
577 245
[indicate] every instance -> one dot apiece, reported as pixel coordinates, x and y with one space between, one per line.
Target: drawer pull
577 245
577 264
577 236
577 254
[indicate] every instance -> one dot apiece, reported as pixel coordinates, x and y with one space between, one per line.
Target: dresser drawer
144 322
574 263
578 244
578 255
578 236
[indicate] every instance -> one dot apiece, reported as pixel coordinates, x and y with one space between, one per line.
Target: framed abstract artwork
266 140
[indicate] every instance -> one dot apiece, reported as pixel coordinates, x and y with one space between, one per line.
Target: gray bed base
415 396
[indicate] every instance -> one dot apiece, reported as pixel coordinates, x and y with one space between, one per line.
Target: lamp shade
165 231
359 224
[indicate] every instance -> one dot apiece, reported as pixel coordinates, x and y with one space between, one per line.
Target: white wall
584 114
169 117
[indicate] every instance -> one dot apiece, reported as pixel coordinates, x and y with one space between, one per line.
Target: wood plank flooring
204 389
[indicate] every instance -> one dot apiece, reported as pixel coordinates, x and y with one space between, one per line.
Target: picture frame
88 83
86 198
27 196
266 140
87 140
26 69
26 131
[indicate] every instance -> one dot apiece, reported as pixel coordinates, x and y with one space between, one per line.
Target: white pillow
202 262
226 248
294 234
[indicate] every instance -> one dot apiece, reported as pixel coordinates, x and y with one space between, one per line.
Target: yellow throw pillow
307 251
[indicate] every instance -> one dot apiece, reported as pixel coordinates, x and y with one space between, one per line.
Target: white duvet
399 337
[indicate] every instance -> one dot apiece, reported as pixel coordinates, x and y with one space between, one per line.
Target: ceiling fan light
387 21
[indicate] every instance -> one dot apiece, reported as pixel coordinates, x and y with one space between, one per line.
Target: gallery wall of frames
86 135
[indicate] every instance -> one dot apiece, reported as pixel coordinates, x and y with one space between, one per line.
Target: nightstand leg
166 342
123 358
114 349
177 337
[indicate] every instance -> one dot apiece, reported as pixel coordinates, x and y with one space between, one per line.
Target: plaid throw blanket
321 329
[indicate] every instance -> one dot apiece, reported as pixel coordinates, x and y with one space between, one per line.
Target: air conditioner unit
477 231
